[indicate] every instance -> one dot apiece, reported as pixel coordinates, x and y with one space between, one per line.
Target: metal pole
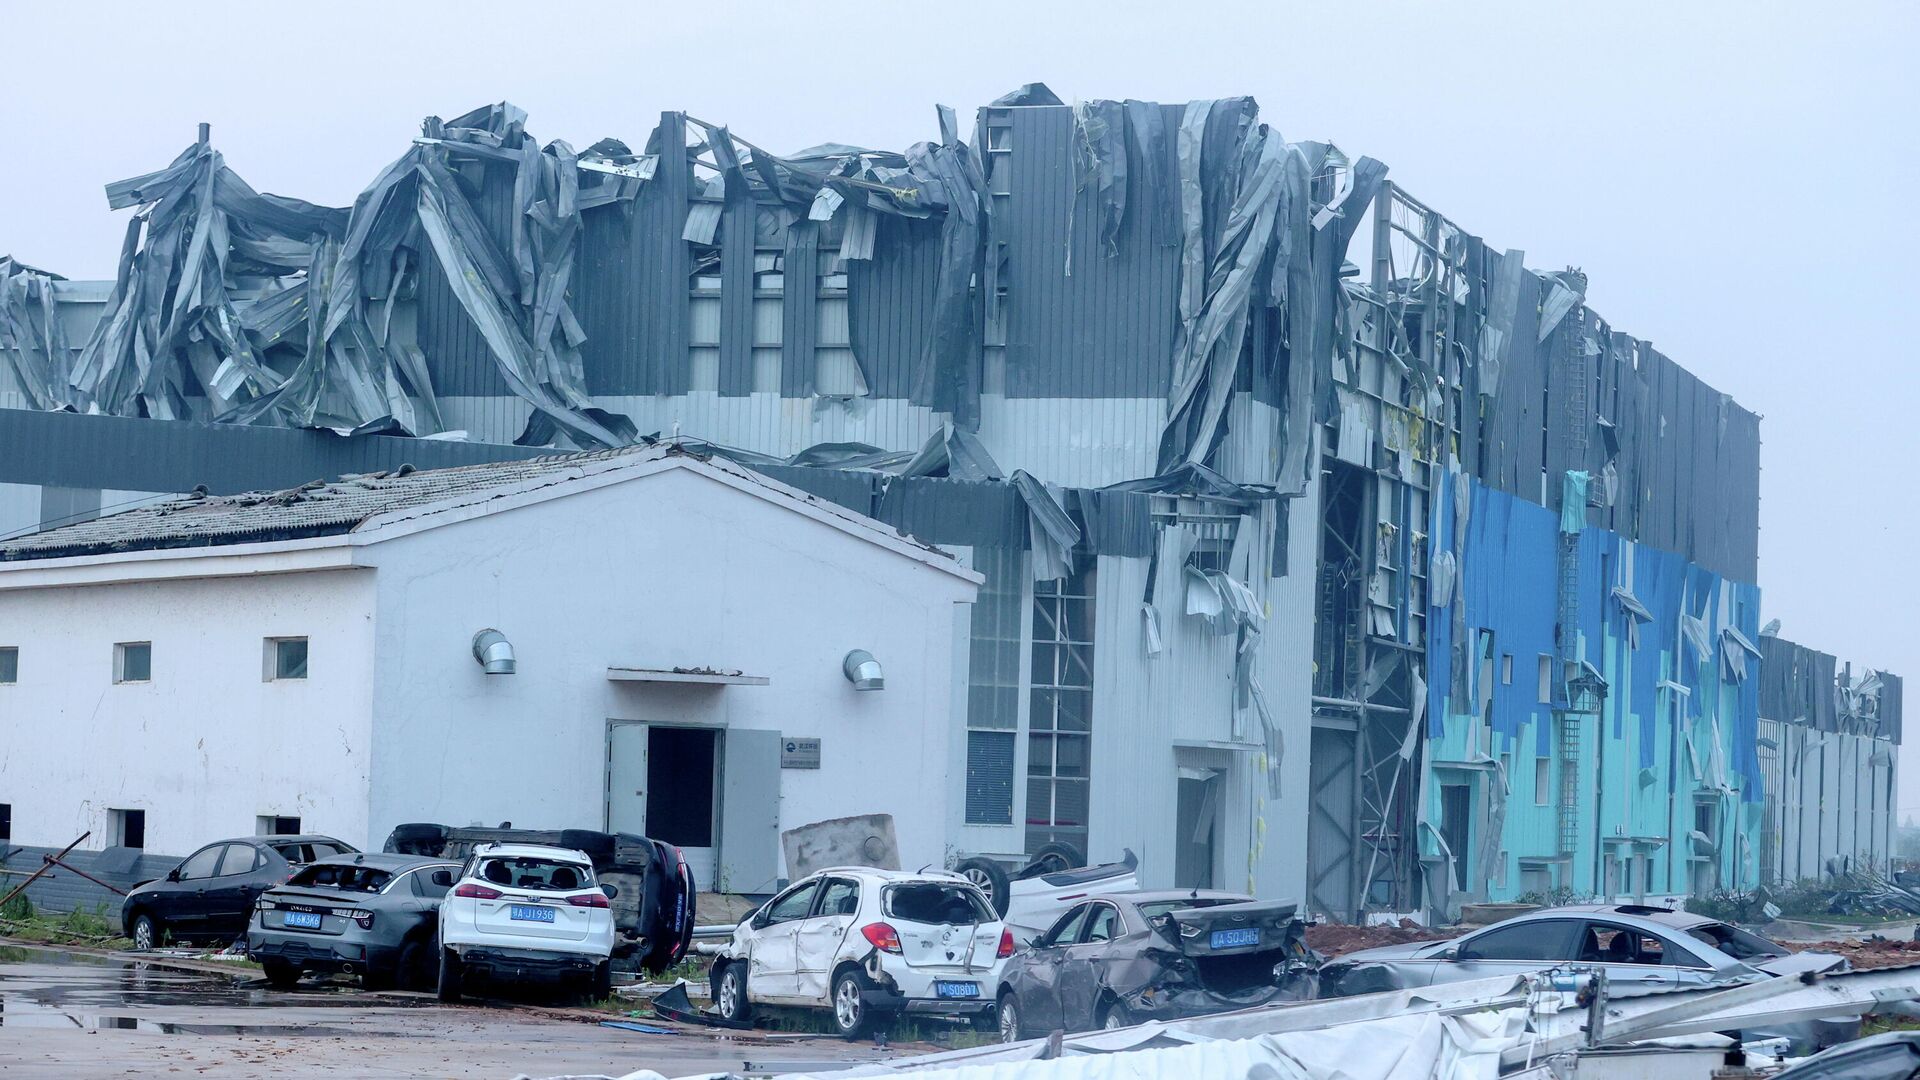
47 864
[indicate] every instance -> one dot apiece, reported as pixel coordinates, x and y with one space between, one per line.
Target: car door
773 963
228 897
1517 947
1081 965
1040 1004
818 937
182 902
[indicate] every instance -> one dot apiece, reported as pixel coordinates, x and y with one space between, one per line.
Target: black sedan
210 894
1125 958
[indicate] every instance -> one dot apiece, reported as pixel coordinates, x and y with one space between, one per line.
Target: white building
193 670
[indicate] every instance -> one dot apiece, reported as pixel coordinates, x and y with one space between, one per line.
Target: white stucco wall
207 745
675 569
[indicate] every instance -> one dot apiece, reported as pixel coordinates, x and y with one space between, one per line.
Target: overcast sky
1726 173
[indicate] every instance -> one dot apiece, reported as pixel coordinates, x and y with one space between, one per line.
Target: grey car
371 915
1128 957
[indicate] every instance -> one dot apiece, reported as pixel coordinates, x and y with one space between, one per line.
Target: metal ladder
1572 366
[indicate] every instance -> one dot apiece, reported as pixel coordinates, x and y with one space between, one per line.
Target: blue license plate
530 914
303 920
1233 939
956 989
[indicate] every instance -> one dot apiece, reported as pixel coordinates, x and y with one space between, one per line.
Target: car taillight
1006 945
363 918
477 892
592 899
882 937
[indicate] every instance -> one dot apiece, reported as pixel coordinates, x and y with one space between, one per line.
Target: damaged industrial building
1326 551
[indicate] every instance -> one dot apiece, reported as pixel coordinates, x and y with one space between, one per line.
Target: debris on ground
1865 955
1335 939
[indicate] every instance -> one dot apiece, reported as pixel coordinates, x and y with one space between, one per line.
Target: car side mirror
173 874
443 878
611 891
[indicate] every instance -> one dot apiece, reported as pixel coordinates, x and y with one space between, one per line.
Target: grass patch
79 927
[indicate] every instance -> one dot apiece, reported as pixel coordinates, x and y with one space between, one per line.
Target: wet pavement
67 1015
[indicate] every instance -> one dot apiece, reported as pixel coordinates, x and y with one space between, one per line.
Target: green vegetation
21 922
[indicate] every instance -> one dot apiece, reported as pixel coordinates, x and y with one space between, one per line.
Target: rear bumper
518 965
914 990
310 953
889 1001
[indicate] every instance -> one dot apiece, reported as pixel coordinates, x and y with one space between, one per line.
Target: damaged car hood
1797 963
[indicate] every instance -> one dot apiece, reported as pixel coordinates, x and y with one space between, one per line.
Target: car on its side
1125 958
868 945
521 912
371 915
210 895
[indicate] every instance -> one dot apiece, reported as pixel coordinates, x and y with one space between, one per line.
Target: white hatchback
526 911
868 945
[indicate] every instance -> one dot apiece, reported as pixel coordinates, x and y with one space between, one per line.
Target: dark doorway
680 785
1456 802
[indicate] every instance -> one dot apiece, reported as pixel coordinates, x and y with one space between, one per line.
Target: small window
272 825
286 658
128 828
1506 669
1546 679
9 664
133 661
1542 781
6 823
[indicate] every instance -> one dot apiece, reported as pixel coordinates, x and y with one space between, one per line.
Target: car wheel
1055 857
146 932
1115 1016
1009 1018
602 986
449 988
414 970
852 1018
730 993
280 974
990 878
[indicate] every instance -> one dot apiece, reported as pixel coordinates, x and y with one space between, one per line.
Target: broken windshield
344 878
548 875
1736 942
936 902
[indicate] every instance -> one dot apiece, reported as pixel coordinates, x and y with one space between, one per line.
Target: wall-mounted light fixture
493 652
863 671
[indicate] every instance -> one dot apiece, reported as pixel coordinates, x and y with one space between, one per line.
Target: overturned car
653 909
1124 958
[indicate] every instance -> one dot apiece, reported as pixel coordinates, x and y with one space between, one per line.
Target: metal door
749 857
627 778
1330 823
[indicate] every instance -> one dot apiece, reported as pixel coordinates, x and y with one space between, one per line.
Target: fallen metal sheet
676 1006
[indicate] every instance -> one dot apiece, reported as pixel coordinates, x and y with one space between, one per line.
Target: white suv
520 911
867 944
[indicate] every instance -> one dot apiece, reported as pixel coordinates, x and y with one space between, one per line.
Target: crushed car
868 946
653 913
210 895
1639 946
370 915
526 912
1125 958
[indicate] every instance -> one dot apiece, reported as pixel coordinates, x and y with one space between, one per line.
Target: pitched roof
338 507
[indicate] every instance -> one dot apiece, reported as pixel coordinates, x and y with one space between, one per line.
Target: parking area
66 1014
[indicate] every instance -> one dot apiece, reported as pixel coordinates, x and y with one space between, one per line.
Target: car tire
450 976
145 932
1115 1015
414 969
601 988
730 993
1007 1018
990 877
1056 857
280 974
853 1018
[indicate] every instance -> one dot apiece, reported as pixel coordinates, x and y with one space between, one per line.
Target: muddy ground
65 1015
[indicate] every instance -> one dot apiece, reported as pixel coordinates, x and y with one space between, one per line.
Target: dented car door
1082 967
818 938
1040 996
773 965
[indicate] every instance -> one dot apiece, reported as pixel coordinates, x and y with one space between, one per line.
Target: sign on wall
797 753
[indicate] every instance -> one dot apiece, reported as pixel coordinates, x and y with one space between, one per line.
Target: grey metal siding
458 360
890 303
800 309
736 295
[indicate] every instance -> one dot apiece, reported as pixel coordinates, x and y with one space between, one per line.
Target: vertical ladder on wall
1571 366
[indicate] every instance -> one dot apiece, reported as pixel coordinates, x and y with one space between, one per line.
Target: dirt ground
1865 955
1331 939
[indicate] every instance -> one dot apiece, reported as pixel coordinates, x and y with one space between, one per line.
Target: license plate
1233 939
530 914
303 920
956 989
